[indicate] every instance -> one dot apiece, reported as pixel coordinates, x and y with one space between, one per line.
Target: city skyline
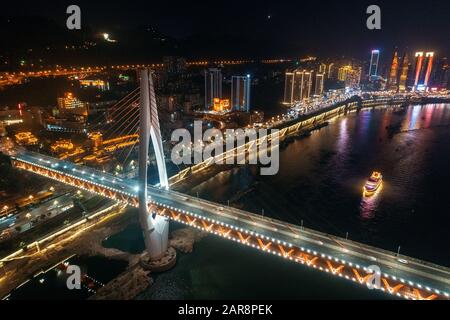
224 150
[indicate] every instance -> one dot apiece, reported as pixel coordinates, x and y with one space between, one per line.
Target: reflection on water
369 203
321 177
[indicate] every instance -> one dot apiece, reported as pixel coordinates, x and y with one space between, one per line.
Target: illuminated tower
289 88
373 69
429 65
240 93
213 86
418 68
403 73
306 84
318 88
424 64
330 70
155 227
392 79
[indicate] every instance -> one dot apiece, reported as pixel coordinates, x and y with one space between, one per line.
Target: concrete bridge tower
154 227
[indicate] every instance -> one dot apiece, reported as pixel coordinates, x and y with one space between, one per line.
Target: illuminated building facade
373 68
402 82
70 104
240 93
350 75
289 88
100 84
62 145
213 86
392 83
221 105
299 85
442 73
422 71
318 87
305 84
26 138
330 69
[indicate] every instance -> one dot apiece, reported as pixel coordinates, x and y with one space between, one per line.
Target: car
402 261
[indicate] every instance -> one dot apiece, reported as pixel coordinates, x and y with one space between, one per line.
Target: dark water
52 284
321 177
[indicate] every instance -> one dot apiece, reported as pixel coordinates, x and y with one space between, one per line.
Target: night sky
328 28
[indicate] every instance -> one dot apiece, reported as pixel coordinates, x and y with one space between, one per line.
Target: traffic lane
54 204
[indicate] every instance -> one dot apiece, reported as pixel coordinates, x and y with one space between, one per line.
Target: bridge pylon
154 227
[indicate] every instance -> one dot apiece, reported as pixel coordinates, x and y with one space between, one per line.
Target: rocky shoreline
136 278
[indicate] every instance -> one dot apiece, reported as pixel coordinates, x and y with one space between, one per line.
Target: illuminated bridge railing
247 233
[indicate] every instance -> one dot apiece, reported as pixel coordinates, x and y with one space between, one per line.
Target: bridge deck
344 258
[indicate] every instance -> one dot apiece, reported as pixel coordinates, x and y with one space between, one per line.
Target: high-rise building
289 88
322 68
422 71
213 86
350 75
402 82
240 93
429 63
318 87
330 69
373 68
392 83
306 84
298 85
69 104
441 76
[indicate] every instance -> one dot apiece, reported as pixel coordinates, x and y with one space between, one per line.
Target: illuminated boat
373 183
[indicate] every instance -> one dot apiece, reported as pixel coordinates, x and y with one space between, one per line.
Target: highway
414 272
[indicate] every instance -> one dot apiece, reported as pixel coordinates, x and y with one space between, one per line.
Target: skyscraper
373 68
289 88
392 79
330 71
306 84
240 93
350 75
213 86
429 63
441 72
403 73
422 71
318 87
298 85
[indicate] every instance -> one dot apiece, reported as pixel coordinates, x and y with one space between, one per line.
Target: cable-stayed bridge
399 275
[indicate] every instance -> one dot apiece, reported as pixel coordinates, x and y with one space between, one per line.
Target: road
422 274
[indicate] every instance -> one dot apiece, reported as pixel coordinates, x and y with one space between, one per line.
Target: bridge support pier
154 227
